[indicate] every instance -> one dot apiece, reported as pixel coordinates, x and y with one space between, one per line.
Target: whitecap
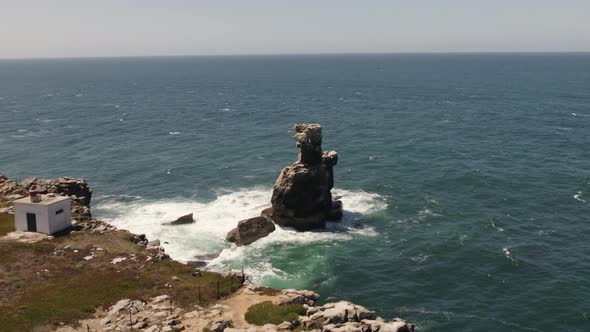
420 258
579 196
366 231
119 196
174 132
498 228
508 255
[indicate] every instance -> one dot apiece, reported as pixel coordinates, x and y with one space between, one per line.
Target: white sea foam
215 218
579 196
174 132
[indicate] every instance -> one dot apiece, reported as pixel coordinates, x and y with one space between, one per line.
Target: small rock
285 326
220 325
186 219
140 325
118 260
160 298
153 328
154 243
250 230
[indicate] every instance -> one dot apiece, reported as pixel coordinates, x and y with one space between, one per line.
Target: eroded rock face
250 230
301 196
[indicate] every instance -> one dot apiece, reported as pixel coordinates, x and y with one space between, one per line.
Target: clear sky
74 28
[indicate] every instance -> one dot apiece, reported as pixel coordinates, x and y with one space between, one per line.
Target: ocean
465 178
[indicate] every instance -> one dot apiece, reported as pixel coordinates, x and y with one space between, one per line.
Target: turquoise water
466 178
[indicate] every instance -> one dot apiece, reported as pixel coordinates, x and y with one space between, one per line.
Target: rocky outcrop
77 189
302 197
250 230
347 316
186 219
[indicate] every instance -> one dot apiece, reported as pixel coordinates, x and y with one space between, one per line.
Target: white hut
46 214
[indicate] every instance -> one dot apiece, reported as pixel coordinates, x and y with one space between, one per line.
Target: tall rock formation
301 196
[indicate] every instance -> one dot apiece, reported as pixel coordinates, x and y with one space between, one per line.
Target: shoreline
221 313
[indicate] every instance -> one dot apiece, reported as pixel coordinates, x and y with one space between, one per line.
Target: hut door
31 222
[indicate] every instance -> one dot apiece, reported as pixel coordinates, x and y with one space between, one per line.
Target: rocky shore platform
95 277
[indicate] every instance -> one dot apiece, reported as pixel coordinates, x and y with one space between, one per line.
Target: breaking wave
213 219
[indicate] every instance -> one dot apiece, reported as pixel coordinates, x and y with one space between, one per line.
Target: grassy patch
269 313
6 223
262 290
43 284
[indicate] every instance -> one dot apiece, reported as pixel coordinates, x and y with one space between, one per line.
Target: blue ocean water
466 177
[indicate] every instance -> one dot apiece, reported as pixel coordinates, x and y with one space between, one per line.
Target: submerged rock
186 219
250 230
302 196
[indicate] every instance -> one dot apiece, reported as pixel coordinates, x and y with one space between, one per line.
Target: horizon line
289 54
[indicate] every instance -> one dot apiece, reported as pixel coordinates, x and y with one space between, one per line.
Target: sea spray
215 218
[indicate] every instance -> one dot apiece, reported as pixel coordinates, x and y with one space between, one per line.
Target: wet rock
250 230
186 219
302 197
154 243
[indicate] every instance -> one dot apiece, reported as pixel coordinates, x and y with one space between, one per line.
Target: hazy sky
71 28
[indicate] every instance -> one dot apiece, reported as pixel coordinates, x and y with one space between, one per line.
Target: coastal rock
302 196
250 230
78 189
186 219
295 296
396 325
339 312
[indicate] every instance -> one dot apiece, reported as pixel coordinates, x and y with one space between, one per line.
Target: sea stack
301 196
